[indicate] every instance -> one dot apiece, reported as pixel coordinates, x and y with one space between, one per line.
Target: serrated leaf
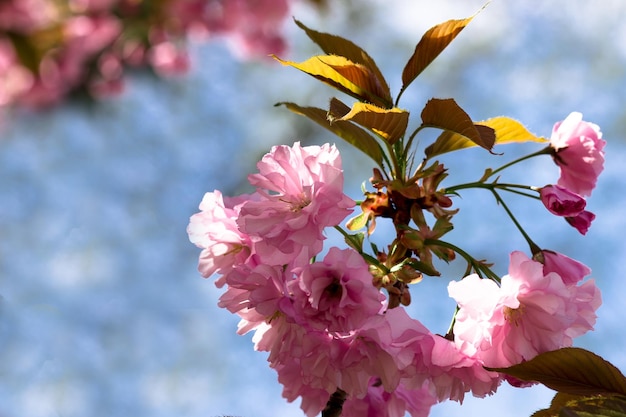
447 115
390 124
432 43
585 406
346 76
509 130
336 45
559 401
506 129
348 131
572 371
603 406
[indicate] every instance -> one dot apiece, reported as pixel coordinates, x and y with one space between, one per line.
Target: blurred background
103 312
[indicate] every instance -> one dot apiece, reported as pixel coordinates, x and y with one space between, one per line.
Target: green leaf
346 76
506 130
559 401
390 124
572 371
425 267
355 241
348 131
432 43
585 406
601 406
336 45
447 115
358 222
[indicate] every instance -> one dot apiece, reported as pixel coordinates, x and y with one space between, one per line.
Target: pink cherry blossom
302 194
306 361
380 403
561 201
260 288
532 312
336 294
586 300
453 372
253 294
390 347
367 354
215 230
408 341
579 152
570 270
582 221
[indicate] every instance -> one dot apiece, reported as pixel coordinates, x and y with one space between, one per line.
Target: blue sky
103 312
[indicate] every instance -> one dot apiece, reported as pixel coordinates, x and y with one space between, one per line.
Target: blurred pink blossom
92 6
254 26
25 16
14 78
65 44
168 59
86 36
579 152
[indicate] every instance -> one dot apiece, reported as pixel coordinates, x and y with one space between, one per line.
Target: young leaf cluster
376 125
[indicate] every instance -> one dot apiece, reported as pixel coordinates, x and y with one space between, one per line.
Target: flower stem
477 266
368 258
545 151
491 186
533 246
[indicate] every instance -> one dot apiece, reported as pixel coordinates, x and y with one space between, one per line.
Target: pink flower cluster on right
578 149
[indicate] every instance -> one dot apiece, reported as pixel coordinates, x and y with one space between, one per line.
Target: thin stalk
545 151
394 165
450 332
533 246
411 138
492 185
368 258
479 268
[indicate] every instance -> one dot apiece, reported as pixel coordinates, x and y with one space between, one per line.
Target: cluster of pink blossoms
327 328
578 149
50 48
